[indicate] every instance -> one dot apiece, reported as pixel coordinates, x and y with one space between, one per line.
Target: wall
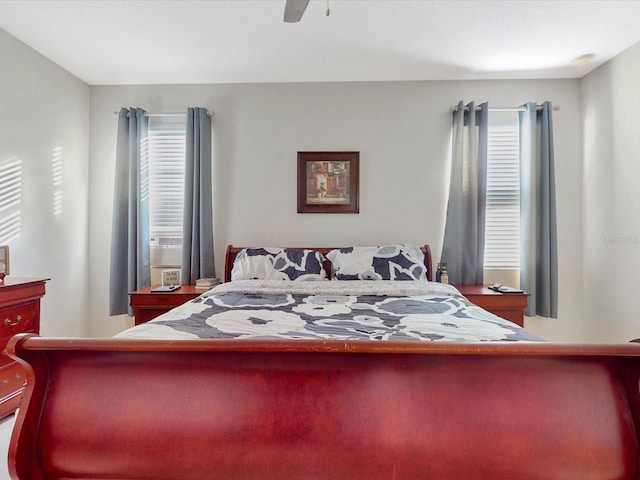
44 127
402 132
611 100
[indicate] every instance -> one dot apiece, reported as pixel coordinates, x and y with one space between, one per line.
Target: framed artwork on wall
4 261
328 182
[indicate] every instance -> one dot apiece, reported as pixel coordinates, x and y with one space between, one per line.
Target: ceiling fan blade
294 9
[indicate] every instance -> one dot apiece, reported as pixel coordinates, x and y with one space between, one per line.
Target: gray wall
611 101
402 130
44 122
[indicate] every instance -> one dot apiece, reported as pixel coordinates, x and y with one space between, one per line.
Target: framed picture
328 182
171 277
4 260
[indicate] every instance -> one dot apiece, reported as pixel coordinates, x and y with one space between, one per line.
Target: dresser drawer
12 381
18 318
22 318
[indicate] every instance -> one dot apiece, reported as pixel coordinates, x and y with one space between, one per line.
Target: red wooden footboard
146 409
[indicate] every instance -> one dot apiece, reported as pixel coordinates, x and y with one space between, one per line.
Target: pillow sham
269 263
388 262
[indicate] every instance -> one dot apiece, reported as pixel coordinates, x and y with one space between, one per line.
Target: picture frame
4 260
171 277
328 182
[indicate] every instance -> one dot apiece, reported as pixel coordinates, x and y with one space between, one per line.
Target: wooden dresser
509 306
19 312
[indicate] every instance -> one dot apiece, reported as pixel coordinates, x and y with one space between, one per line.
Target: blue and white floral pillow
270 263
390 262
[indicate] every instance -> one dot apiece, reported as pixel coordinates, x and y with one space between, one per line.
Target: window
166 189
502 228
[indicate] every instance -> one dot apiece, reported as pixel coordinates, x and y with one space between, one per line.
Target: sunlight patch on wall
56 175
10 199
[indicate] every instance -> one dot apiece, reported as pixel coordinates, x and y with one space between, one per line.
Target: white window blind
502 228
166 180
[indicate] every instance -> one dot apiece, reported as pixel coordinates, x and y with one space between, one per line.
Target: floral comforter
332 310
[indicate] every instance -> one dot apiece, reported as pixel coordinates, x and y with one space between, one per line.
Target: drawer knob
7 321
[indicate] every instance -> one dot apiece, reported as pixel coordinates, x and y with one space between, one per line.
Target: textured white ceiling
222 41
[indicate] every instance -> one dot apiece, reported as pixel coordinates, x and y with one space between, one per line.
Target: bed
363 380
294 300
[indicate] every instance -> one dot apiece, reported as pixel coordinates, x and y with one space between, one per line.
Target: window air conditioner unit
166 251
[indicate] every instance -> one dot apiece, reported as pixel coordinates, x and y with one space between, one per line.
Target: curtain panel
130 257
463 244
197 231
538 232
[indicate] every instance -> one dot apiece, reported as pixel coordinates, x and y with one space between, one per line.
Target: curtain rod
503 109
170 114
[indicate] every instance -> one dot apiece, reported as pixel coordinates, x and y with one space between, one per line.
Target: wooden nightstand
506 305
147 305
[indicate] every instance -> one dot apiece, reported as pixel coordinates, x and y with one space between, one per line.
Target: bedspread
340 310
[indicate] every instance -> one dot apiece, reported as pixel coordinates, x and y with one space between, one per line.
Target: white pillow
389 262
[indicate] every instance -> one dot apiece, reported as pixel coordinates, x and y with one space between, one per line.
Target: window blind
502 227
166 180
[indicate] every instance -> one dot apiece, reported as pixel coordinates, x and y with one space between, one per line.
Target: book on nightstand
207 283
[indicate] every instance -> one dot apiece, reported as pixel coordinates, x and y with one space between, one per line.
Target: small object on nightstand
497 287
166 288
207 283
170 277
444 276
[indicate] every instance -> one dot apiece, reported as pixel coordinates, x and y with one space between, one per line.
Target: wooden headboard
232 252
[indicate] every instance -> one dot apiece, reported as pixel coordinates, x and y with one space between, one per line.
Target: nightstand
509 306
147 305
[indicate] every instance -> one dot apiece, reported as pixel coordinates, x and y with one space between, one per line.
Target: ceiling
236 41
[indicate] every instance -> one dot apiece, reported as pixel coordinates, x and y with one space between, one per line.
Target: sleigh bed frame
319 409
136 409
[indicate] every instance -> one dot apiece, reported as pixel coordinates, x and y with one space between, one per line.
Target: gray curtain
130 259
197 229
463 244
538 234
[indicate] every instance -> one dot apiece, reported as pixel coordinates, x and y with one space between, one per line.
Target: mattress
332 310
